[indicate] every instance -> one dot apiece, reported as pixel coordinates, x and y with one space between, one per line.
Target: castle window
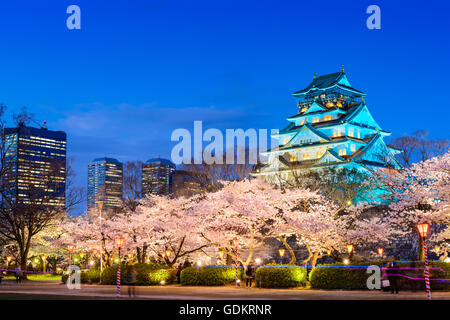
319 154
306 156
352 148
327 118
293 158
337 132
350 132
302 122
359 135
342 152
315 120
304 109
285 140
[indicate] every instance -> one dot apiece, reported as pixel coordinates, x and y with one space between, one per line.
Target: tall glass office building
157 177
105 177
36 159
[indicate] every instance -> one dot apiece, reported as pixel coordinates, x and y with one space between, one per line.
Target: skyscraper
333 128
157 177
36 159
105 176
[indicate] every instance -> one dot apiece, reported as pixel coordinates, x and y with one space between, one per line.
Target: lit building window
342 152
327 118
359 135
306 156
350 132
319 154
315 120
285 140
304 109
293 158
353 148
302 122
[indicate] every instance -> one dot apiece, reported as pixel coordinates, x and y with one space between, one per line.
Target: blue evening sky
138 69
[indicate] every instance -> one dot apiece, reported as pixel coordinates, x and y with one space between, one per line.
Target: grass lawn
39 277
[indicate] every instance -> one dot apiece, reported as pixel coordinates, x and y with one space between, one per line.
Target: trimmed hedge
147 274
209 276
281 276
89 276
339 276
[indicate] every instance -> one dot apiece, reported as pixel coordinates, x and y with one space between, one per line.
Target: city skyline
134 72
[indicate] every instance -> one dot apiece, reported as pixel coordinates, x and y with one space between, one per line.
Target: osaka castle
333 128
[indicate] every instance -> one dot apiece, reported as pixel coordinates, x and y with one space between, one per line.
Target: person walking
18 274
130 278
248 276
180 267
393 279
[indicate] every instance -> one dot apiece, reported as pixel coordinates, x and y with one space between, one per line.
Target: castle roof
322 83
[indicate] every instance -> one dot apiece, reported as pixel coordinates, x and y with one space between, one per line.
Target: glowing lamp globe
8 258
235 242
349 248
281 252
423 229
380 251
119 242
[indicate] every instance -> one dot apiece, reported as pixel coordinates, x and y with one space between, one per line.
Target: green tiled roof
326 81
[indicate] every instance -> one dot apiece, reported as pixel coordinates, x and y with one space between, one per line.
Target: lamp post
70 248
44 258
236 242
119 244
423 229
100 209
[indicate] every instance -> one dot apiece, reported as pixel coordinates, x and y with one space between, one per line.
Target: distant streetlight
349 203
437 249
236 243
70 248
380 252
8 260
349 248
281 252
44 259
119 244
346 261
423 229
168 253
258 261
199 263
100 209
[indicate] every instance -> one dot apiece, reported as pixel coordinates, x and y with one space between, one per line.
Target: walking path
51 290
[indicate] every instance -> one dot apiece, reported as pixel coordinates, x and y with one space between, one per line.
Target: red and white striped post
118 280
236 242
119 244
423 231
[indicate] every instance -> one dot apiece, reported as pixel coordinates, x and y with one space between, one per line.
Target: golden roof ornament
315 75
342 69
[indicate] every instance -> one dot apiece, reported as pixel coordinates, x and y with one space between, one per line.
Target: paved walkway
51 290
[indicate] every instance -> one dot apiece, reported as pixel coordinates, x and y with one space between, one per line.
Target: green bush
190 276
147 274
339 276
280 276
89 276
209 276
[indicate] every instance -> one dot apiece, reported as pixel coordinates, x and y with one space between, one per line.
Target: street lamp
44 259
281 252
168 253
8 260
221 253
380 252
423 229
258 261
236 243
100 209
119 244
437 249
